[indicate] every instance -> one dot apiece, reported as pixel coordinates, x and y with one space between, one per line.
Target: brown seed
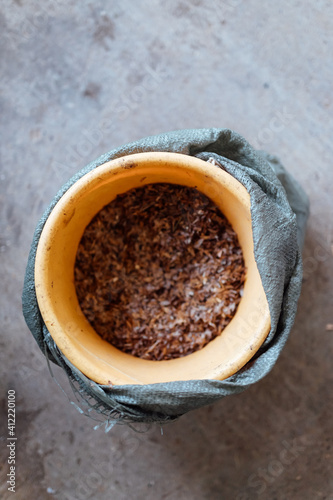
159 272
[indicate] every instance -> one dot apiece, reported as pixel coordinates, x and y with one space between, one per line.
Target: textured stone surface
78 79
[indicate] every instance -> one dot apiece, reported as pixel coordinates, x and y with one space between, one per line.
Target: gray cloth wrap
279 209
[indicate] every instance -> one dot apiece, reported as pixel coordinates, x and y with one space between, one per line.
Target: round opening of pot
159 271
56 257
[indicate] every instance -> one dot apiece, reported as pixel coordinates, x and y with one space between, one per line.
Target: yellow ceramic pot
54 273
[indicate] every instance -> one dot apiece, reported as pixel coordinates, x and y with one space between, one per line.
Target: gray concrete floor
79 78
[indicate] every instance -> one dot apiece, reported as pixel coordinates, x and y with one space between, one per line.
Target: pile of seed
159 271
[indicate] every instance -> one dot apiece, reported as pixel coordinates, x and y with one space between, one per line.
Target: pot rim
54 271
